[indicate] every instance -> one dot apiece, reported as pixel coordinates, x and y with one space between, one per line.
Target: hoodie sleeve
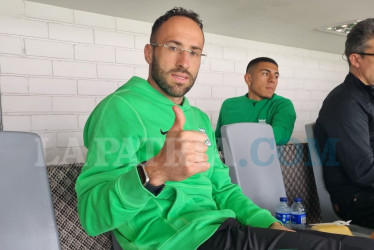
283 121
109 190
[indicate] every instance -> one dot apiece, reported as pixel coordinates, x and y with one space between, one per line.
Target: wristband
144 178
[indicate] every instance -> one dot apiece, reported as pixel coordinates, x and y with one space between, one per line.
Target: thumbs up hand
183 154
178 121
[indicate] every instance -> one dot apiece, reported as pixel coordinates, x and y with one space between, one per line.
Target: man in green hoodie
260 104
153 175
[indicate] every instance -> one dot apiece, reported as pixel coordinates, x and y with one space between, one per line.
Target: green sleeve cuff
132 191
263 220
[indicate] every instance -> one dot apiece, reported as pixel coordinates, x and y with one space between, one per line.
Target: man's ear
148 51
248 79
355 60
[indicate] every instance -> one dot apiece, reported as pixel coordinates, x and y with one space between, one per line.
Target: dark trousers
231 235
360 209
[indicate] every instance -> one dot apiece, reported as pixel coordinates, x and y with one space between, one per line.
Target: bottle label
284 218
298 219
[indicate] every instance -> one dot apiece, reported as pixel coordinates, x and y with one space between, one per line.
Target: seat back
327 212
26 211
251 154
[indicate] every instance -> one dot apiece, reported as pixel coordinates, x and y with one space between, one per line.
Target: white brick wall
108 71
52 86
51 49
240 66
94 53
25 66
74 69
22 104
23 27
52 122
200 91
140 41
131 57
11 45
19 122
234 54
71 33
96 87
13 84
215 51
56 64
73 104
115 39
234 79
222 66
209 78
222 92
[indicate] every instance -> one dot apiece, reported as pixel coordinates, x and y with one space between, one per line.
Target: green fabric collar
251 101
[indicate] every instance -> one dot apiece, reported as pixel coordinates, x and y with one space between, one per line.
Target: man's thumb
179 119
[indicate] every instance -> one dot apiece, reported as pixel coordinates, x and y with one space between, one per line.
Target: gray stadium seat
26 211
251 154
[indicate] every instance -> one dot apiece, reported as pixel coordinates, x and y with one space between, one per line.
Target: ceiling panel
284 22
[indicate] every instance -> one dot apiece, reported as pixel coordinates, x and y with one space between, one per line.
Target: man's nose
273 78
183 60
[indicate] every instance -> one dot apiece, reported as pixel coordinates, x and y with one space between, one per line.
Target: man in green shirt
260 104
153 175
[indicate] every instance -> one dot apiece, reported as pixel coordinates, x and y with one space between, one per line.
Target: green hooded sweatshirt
277 111
129 127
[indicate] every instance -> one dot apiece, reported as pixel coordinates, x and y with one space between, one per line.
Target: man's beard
160 77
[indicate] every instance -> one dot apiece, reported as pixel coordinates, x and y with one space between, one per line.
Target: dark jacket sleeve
350 126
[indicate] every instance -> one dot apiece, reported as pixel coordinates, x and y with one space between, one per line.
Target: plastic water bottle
283 212
298 216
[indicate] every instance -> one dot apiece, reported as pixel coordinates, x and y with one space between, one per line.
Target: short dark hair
357 39
176 11
258 60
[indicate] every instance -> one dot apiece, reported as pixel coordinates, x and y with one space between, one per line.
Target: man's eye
265 73
173 48
194 53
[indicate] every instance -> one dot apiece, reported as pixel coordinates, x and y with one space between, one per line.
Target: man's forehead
266 66
370 43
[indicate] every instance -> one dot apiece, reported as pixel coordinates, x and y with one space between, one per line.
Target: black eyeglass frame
365 54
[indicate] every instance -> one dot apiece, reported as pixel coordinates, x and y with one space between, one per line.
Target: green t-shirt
124 130
277 111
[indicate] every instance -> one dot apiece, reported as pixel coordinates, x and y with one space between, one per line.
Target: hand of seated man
183 154
278 226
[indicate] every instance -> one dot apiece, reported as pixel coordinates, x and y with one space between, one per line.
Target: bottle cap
283 199
297 199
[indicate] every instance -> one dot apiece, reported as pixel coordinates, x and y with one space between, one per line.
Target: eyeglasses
177 50
366 54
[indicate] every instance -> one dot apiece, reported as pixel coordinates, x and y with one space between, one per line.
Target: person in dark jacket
345 131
